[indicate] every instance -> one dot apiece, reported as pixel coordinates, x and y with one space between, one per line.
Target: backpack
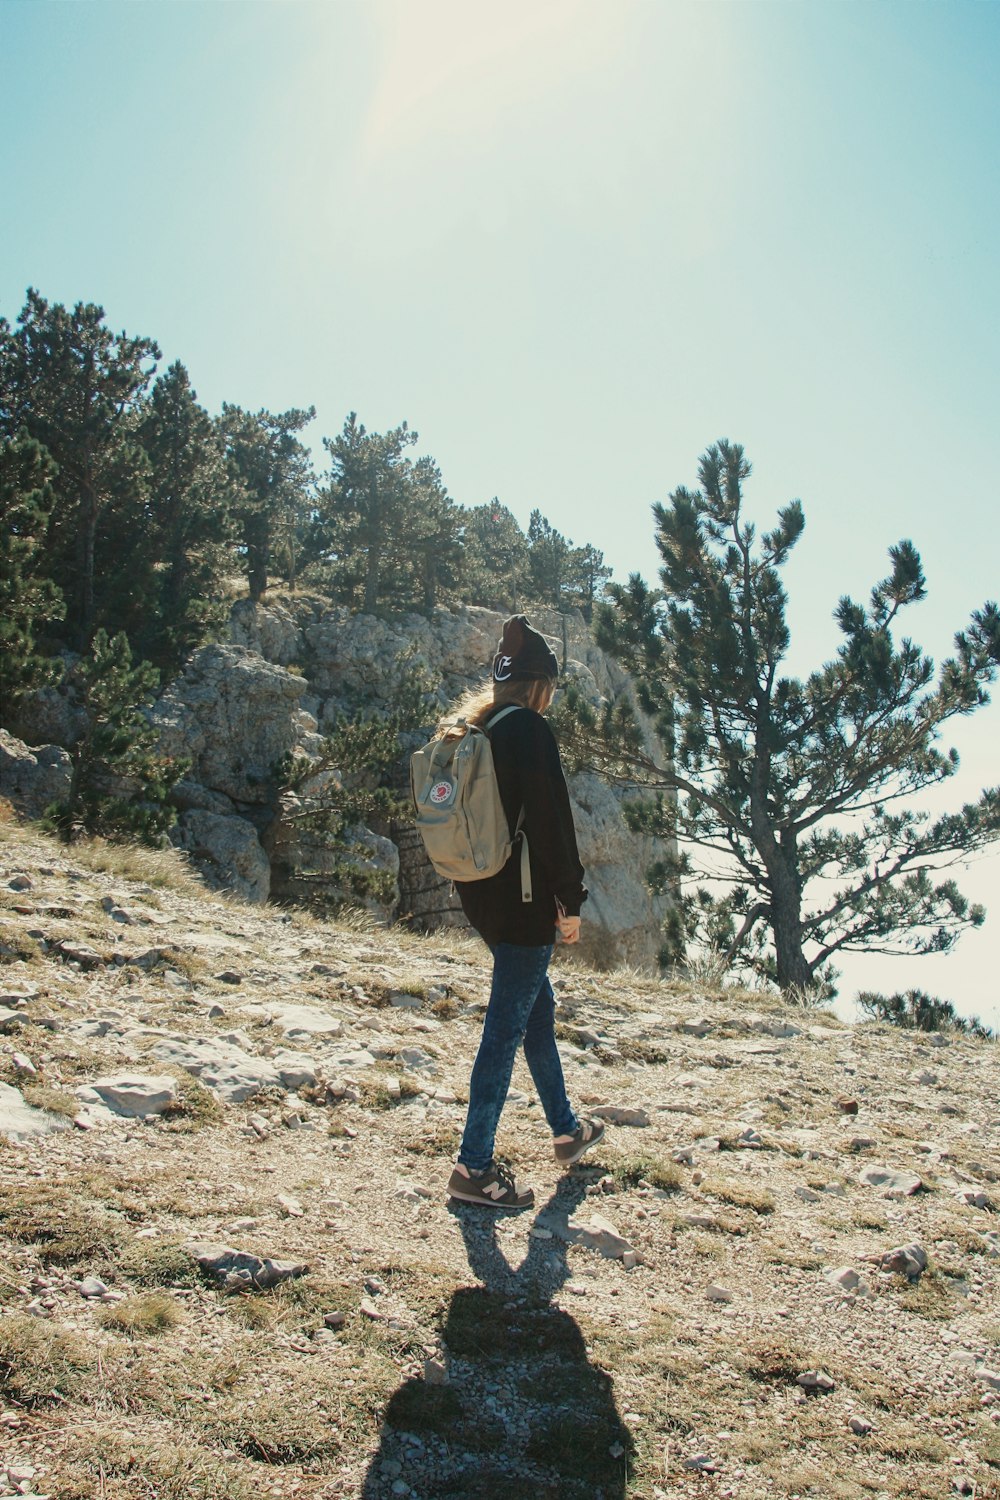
458 808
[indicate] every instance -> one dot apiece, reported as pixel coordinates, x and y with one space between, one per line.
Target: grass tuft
149 1312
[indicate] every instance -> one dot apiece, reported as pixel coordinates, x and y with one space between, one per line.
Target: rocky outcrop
32 778
227 851
234 715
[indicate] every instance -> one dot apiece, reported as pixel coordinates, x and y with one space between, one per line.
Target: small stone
629 1260
815 1380
847 1106
974 1197
21 883
401 1000
702 1462
229 976
91 1286
716 1293
369 1310
807 1195
989 1378
621 1114
292 1206
894 1183
435 1372
909 1260
22 1064
695 1026
334 1319
844 1276
860 1425
862 1142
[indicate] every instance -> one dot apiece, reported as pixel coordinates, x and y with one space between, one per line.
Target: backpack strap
526 891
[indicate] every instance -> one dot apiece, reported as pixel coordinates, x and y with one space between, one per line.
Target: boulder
31 778
228 853
231 713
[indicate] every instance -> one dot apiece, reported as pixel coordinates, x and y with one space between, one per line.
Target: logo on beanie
441 792
502 669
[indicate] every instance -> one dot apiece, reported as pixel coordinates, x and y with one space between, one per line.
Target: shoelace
506 1178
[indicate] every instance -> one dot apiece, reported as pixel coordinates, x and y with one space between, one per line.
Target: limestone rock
227 1069
231 713
815 1381
236 1267
20 1121
892 1182
621 1114
271 631
32 778
598 1233
134 1095
298 1020
909 1260
228 853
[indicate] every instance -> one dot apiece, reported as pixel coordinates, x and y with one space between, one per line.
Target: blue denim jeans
522 1008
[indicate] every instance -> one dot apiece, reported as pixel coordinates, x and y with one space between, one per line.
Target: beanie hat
523 655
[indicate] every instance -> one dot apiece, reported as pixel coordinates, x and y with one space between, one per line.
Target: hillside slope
708 1307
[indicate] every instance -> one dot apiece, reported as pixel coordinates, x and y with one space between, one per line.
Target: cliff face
280 681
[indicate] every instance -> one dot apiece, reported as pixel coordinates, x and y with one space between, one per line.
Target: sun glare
458 66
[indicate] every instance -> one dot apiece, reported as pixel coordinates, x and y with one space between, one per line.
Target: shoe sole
482 1202
571 1161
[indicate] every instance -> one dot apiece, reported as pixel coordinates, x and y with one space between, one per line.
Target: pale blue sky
571 244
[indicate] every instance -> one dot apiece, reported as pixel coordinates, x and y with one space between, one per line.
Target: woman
521 934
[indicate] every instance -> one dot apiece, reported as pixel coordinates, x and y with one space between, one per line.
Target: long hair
476 705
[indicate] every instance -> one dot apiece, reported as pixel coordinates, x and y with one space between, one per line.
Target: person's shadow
522 1412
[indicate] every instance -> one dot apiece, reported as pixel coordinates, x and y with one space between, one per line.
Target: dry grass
39 1362
147 1313
740 1194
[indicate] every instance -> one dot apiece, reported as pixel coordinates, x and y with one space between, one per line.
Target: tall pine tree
192 498
75 387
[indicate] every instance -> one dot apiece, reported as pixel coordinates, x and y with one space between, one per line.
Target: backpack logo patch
441 792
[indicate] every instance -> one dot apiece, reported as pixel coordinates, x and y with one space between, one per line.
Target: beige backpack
458 808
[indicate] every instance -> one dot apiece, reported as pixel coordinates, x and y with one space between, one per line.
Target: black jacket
529 775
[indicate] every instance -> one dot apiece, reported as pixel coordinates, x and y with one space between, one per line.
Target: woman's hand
568 929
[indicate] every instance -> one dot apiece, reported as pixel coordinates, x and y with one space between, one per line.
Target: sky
572 244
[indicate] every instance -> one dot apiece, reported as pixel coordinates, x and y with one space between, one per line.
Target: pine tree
75 387
433 545
276 475
193 494
798 790
496 558
29 600
366 509
120 785
916 1011
549 556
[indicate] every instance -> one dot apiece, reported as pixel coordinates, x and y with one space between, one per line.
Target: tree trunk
372 571
781 863
258 556
786 925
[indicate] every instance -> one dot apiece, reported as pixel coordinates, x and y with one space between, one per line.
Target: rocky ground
230 1269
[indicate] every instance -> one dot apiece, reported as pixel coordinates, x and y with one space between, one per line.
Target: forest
127 507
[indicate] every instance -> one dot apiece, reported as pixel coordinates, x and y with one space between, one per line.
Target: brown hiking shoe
587 1134
495 1188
